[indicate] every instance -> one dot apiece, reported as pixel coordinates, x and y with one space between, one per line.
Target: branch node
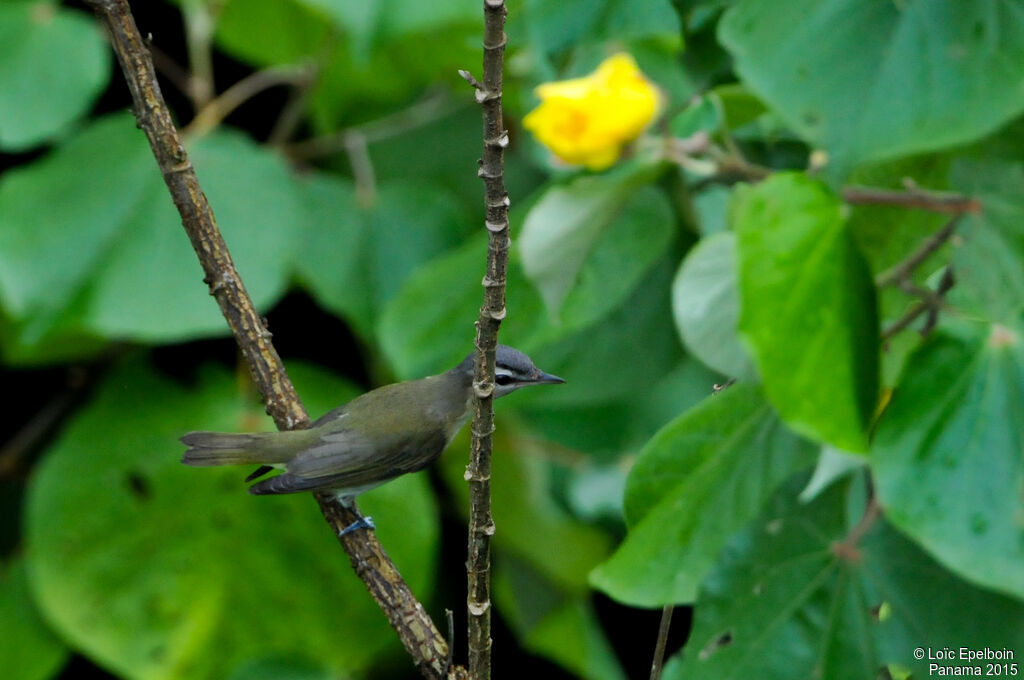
486 433
484 95
496 227
503 202
473 475
478 608
483 389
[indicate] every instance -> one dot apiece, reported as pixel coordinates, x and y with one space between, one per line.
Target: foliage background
358 232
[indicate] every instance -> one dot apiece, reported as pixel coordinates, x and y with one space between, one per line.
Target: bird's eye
504 379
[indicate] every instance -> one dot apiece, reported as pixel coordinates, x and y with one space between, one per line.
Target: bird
381 435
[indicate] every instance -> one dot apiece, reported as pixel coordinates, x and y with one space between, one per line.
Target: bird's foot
361 523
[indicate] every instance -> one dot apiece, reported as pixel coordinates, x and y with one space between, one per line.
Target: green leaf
278 668
876 80
156 570
832 466
948 454
556 625
112 254
269 32
531 526
355 259
785 603
633 347
427 326
330 256
29 649
53 65
989 249
705 304
700 479
149 285
588 243
807 309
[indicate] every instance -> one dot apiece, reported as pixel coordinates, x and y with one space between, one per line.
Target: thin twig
43 423
904 321
199 41
904 269
449 616
912 198
478 474
211 115
659 647
415 629
931 302
424 112
290 118
848 549
362 169
172 71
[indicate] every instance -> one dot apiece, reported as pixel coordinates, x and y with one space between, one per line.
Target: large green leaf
989 250
807 308
588 243
949 453
785 603
157 570
705 304
111 252
53 64
552 25
623 354
427 327
870 80
531 526
559 626
699 480
28 648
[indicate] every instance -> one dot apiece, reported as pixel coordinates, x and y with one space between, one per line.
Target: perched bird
381 435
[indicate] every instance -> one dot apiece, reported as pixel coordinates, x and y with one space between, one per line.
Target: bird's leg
360 523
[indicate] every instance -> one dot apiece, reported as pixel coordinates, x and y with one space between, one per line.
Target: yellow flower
587 121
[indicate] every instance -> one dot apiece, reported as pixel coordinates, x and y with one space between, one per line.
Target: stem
904 269
478 474
421 113
848 549
211 115
659 647
198 37
912 198
415 629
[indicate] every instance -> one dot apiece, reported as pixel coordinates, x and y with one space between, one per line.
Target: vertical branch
417 632
478 474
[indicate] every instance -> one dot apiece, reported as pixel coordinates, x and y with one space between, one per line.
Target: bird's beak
548 379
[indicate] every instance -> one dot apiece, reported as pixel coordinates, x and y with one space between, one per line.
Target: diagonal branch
478 474
912 197
415 629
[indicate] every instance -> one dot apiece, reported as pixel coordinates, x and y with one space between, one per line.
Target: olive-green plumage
374 438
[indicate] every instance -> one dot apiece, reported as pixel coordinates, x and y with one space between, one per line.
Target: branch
478 474
417 632
211 115
913 197
659 647
902 271
421 113
930 304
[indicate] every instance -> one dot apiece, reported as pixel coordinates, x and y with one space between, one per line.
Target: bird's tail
220 448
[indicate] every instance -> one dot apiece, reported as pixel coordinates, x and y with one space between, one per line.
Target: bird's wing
333 453
342 460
